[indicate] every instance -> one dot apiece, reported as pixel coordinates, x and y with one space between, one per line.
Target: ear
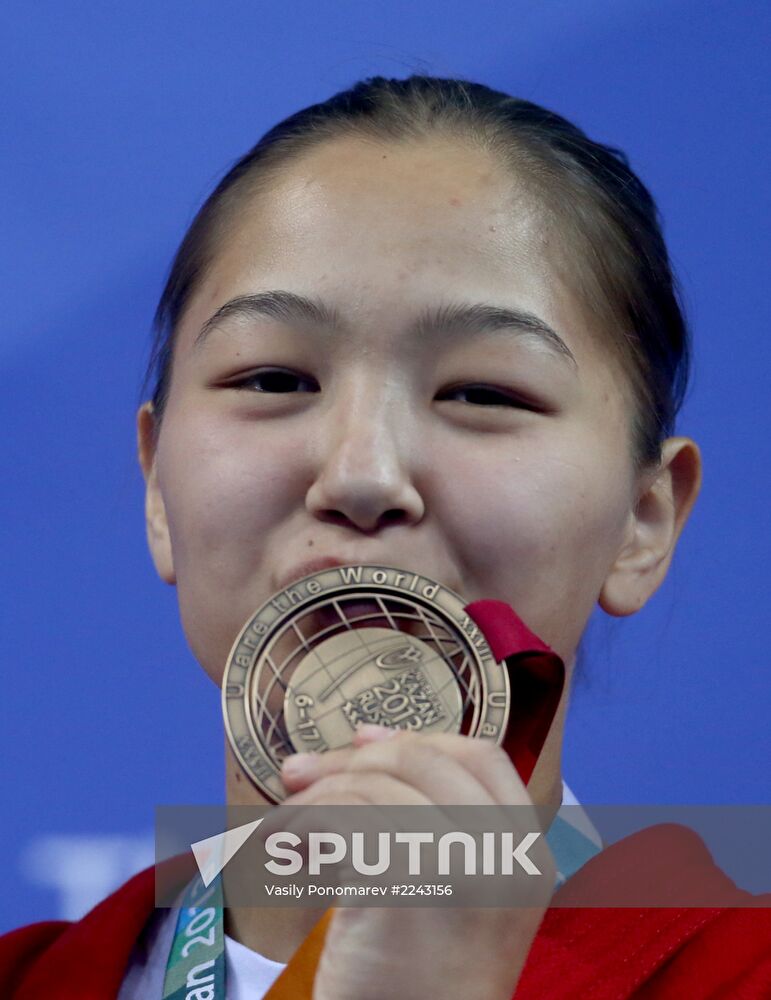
158 538
666 495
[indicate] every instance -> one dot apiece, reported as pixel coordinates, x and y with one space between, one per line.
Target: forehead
431 202
380 230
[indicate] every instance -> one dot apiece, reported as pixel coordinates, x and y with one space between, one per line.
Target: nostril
334 517
392 516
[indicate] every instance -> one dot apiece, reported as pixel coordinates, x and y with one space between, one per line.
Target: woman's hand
421 953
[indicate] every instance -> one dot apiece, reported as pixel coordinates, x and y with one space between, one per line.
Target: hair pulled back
618 259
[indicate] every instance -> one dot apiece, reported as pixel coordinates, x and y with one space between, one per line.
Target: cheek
540 530
212 496
223 492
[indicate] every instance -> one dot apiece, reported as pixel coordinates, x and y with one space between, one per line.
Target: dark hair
622 270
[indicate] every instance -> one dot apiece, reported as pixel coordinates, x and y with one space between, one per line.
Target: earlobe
158 538
665 499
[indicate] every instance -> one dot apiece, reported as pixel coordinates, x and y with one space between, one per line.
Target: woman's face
489 451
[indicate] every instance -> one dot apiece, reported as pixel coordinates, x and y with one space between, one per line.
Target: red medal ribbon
536 677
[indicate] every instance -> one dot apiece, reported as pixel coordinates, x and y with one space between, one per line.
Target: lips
357 611
307 568
316 565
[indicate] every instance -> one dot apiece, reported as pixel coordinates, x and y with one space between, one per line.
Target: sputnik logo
500 854
213 853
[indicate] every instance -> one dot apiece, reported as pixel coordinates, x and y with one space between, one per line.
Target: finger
487 762
438 769
370 733
358 787
301 769
298 770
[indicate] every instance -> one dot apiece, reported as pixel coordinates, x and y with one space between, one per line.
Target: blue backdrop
118 119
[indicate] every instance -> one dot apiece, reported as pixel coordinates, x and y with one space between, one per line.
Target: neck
545 785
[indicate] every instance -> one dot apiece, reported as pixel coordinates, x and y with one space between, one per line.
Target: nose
362 477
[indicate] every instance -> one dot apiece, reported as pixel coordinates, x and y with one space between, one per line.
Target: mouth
308 568
353 610
292 576
348 611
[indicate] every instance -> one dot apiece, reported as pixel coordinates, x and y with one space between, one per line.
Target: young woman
427 325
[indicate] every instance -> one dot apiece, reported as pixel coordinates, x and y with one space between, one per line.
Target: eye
276 380
485 395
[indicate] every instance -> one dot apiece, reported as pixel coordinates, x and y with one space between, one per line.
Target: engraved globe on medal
352 645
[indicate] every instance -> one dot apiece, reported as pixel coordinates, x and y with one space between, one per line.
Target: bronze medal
352 645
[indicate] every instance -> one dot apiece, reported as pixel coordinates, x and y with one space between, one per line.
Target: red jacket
613 953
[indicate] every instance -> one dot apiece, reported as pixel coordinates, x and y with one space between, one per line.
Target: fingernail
300 765
367 732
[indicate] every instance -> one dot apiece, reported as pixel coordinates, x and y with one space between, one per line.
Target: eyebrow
476 317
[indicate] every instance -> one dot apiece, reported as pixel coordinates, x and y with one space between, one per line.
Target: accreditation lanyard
196 965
